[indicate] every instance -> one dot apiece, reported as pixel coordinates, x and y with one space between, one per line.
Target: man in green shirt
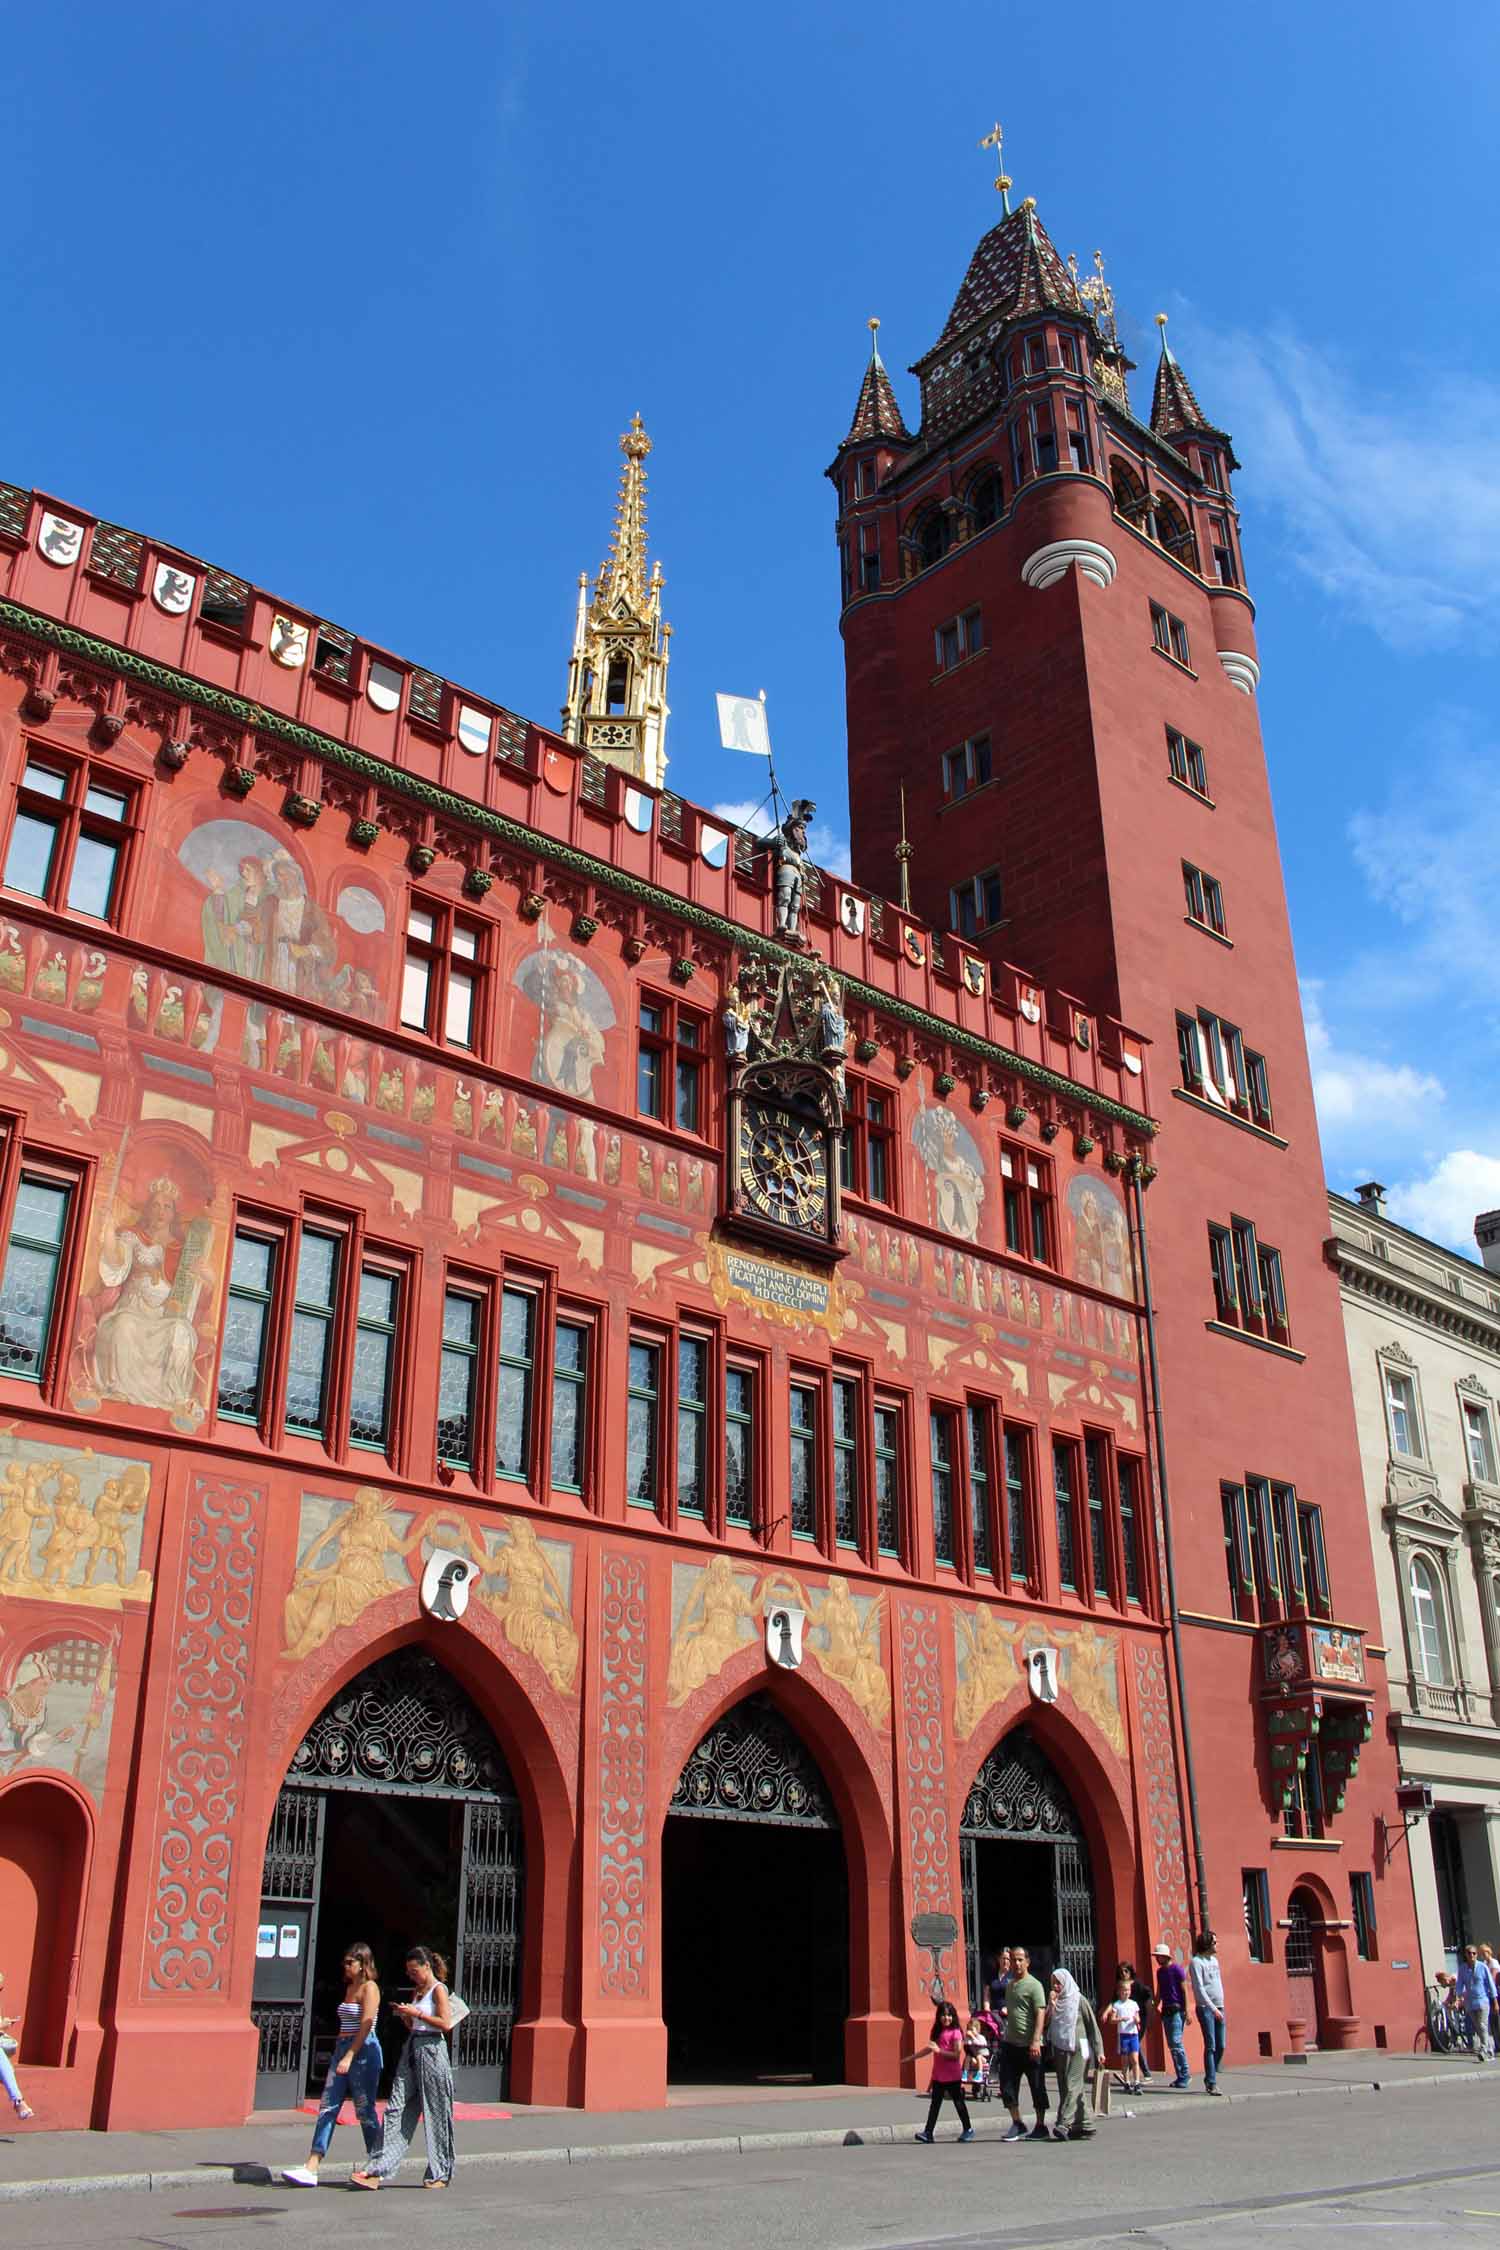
1021 2047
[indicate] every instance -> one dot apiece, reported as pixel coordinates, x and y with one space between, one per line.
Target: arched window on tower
1129 492
617 686
1174 532
1431 1650
986 498
933 534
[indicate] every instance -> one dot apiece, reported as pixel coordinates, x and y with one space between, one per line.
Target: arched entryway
44 1845
1305 1999
755 1909
1026 1874
397 1824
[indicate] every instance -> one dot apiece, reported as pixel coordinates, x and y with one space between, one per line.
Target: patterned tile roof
1015 270
876 413
1174 408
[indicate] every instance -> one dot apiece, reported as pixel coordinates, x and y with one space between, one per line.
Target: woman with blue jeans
1208 2000
355 2069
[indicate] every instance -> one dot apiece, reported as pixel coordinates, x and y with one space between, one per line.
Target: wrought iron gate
404 1728
751 1766
1018 1798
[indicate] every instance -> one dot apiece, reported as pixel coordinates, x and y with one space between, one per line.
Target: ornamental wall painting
954 1169
990 1653
146 1333
352 1553
257 916
1101 1259
718 1610
572 1013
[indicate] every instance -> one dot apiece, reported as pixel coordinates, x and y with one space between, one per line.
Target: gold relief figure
91 983
463 1108
645 1176
557 1146
708 1631
987 1652
323 1599
534 1609
323 1072
52 978
72 1532
1093 1682
853 1652
523 1132
21 1508
423 1103
119 1498
612 1160
391 1094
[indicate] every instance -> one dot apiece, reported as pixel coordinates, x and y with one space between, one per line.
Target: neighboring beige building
1423 1329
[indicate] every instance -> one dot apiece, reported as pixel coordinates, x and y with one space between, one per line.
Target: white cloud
1363 1090
828 850
1445 1204
1393 507
1429 854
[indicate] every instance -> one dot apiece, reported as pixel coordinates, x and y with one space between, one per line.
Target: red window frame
70 817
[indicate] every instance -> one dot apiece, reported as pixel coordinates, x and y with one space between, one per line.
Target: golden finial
1161 320
995 139
1097 294
873 324
904 852
635 444
1028 203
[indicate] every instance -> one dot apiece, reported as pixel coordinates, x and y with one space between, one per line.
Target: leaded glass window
804 1492
942 1484
692 1423
846 1460
311 1346
570 1391
458 1376
28 1289
642 1424
371 1385
247 1314
514 1387
739 1445
888 1479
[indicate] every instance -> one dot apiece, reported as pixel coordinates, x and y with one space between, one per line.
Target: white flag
742 724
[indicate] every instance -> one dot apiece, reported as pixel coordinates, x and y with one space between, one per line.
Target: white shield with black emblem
172 589
59 541
1042 1674
974 975
852 913
784 1623
445 1585
288 643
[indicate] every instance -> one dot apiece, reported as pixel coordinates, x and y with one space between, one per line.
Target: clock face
783 1168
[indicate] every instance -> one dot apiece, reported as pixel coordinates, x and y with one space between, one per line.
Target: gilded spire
616 704
624 569
995 139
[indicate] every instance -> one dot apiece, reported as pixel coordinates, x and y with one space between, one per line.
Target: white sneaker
1016 2133
301 2175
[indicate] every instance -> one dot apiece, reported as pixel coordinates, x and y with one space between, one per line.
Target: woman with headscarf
1073 2030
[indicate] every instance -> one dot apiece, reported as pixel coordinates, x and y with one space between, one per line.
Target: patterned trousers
422 2087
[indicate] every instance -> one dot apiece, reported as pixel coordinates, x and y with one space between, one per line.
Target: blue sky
356 302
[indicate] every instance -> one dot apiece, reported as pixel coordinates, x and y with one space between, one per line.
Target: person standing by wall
423 2085
1021 2047
946 2047
1476 1994
354 2069
8 2046
1073 2033
1171 1998
1208 2002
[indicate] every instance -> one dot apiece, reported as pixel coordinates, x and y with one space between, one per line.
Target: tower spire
876 414
1173 406
616 704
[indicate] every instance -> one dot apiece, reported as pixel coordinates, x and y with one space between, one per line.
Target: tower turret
616 705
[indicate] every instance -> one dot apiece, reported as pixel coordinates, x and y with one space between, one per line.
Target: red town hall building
561 1402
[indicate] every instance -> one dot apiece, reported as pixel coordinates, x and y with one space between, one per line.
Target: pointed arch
1174 532
46 1848
928 535
1129 492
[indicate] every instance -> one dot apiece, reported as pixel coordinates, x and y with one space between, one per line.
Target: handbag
457 2010
9 2046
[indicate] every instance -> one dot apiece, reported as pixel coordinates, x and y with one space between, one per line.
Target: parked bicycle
1448 2029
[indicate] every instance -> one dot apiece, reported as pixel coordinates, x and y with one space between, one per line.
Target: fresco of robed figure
258 919
149 1285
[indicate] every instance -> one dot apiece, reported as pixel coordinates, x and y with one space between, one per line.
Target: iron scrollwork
751 1766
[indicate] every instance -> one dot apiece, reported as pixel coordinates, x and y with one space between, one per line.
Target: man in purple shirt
1171 1998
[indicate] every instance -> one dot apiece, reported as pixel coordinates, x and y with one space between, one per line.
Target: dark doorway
397 1824
1015 1902
1026 1876
755 1911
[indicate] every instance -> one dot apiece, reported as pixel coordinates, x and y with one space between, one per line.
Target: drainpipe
1200 1878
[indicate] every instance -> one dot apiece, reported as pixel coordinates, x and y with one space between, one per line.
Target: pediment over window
1412 1506
1471 1387
1394 1352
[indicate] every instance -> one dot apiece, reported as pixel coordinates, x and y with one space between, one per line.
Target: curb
601 2152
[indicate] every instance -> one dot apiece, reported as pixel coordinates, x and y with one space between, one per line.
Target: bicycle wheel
1439 2031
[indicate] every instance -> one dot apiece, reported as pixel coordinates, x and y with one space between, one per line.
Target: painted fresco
146 1317
257 918
72 1528
718 1610
355 1552
1101 1253
954 1170
991 1649
573 1013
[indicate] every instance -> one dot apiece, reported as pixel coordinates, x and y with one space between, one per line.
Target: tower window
1170 634
959 637
1017 453
986 499
967 768
1223 547
616 686
1069 349
865 1163
1187 762
1043 438
869 559
976 904
1210 470
934 538
1129 492
866 478
1036 352
1205 899
1078 437
669 1065
1174 533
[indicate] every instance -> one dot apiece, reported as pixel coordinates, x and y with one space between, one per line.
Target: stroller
981 2049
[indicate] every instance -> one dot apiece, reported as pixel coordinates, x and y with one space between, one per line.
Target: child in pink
946 2047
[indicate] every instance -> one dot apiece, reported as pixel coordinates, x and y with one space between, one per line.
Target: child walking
1125 2014
8 2047
946 2047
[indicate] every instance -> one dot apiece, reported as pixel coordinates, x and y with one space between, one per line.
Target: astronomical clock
784 1038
